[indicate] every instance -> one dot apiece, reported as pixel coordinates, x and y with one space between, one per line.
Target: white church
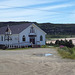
22 35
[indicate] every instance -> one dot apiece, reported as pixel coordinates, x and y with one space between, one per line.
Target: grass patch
45 46
67 52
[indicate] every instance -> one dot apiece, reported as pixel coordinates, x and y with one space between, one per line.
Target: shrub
64 43
71 44
66 52
57 42
51 44
61 46
43 46
64 48
47 43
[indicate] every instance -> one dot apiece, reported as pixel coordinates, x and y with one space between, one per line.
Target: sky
41 11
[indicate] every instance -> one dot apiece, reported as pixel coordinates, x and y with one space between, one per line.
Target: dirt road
29 62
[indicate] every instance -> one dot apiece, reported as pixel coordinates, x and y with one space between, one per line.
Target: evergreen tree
70 44
57 42
62 42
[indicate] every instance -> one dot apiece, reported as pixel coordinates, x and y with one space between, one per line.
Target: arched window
32 30
1 38
41 38
23 38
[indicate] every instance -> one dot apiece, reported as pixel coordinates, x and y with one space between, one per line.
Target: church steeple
8 30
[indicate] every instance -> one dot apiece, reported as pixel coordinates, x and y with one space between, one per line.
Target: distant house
22 35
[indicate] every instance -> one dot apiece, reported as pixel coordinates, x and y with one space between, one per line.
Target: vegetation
44 46
65 48
64 43
66 52
61 42
56 30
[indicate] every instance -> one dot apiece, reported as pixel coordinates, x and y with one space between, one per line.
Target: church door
32 40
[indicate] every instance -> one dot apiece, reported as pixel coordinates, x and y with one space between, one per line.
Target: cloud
56 6
22 3
24 12
33 10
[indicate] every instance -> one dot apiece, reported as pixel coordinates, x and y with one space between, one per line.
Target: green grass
67 52
45 46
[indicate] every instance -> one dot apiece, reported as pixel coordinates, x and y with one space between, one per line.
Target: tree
62 42
71 44
57 42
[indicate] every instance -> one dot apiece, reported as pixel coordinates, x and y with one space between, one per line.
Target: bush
66 52
57 42
43 46
50 44
64 48
64 43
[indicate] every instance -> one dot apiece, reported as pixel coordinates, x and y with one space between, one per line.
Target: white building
22 35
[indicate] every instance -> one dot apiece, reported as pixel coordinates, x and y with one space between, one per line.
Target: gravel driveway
28 62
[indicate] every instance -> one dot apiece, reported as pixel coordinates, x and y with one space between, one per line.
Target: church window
32 30
23 38
41 38
1 38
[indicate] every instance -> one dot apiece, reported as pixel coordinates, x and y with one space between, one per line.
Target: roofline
39 28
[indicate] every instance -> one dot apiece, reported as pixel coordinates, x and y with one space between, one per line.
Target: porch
20 45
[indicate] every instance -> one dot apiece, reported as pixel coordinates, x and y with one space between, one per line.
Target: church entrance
32 39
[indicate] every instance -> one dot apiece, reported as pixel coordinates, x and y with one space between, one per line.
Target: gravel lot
26 62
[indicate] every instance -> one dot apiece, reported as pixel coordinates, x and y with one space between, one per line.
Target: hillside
49 28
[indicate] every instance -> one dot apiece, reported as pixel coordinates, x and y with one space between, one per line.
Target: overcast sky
53 11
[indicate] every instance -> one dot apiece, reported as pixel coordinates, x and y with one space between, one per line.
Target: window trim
32 30
1 38
41 38
23 38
